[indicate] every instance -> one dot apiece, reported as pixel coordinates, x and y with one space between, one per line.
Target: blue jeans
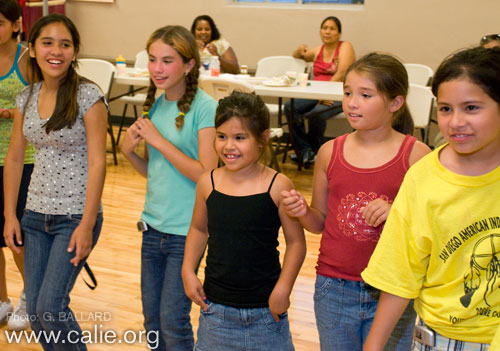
344 312
50 276
225 328
312 140
165 306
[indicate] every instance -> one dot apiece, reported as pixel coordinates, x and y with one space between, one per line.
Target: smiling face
364 106
329 32
203 31
469 119
54 51
167 69
236 146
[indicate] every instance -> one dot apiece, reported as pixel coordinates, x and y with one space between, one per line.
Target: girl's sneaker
5 310
19 319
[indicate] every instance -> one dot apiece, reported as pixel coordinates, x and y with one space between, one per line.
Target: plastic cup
303 79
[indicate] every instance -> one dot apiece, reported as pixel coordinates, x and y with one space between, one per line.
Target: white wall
421 31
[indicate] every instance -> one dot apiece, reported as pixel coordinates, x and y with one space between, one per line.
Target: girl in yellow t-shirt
440 242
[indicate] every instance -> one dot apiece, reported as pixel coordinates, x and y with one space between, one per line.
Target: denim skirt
225 328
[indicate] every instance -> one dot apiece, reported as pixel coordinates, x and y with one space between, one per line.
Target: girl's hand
147 131
82 241
12 229
294 202
131 140
194 289
376 212
212 49
4 113
279 301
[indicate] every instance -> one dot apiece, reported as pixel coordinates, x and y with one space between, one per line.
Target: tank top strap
337 149
20 55
18 52
212 178
406 148
337 50
320 54
272 181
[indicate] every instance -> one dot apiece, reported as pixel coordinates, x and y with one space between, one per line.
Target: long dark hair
250 109
66 110
480 65
334 19
182 41
391 79
215 32
11 11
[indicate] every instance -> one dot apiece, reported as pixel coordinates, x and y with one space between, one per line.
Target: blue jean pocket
213 317
271 323
328 295
75 218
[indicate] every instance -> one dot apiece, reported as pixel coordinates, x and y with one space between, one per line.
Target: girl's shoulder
281 183
346 49
325 153
23 95
419 150
204 183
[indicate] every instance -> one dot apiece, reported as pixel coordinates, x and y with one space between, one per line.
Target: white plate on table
252 80
271 83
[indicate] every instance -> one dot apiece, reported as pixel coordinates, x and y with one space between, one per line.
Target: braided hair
182 41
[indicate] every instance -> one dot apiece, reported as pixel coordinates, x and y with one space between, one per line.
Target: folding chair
100 72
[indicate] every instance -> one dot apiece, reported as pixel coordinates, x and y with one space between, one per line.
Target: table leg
290 128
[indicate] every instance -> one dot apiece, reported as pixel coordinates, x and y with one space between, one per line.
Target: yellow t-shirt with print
441 246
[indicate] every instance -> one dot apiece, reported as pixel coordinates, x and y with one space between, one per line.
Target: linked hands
376 212
295 203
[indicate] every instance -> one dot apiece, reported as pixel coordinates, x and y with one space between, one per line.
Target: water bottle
120 65
214 66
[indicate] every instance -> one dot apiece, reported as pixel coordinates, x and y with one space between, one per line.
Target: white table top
130 78
316 90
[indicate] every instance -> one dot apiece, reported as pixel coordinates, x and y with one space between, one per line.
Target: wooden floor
116 305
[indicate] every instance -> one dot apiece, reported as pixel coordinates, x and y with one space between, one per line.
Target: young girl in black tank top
238 212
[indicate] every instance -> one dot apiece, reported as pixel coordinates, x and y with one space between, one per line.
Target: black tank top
242 258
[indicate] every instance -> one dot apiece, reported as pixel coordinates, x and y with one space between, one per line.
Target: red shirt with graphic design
347 241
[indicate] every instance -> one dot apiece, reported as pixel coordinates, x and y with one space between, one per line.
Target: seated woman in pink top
331 60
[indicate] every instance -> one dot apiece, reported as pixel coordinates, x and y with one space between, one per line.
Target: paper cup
303 79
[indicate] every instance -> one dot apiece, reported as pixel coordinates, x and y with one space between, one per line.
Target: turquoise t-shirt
170 195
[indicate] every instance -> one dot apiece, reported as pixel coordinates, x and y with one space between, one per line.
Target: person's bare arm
346 58
389 310
12 172
303 52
